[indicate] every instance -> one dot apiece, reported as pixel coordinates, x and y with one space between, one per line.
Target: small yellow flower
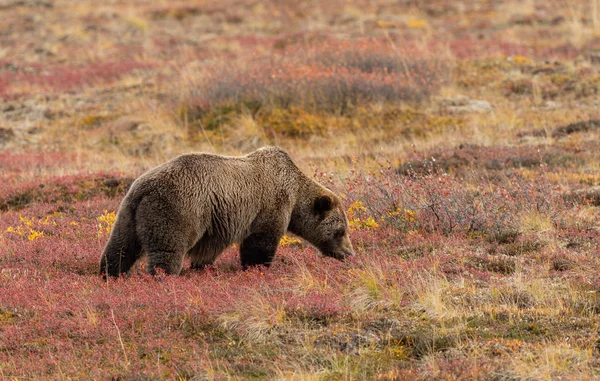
34 234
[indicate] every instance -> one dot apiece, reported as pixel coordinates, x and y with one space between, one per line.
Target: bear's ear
323 204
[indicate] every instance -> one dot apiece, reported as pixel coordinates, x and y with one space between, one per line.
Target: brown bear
199 204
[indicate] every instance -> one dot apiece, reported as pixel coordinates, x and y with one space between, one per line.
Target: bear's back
263 170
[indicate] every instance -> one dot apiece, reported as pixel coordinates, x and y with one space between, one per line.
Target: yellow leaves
107 220
18 230
357 220
528 174
368 223
26 230
402 219
397 351
92 120
590 179
357 207
25 221
417 24
409 215
34 234
406 214
286 241
386 24
6 316
520 60
48 221
137 22
297 122
411 24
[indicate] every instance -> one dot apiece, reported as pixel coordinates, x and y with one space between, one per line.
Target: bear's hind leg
201 264
170 262
258 249
205 251
166 232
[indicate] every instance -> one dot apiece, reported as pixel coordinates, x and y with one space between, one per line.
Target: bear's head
325 226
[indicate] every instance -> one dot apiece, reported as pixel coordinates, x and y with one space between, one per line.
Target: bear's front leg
258 249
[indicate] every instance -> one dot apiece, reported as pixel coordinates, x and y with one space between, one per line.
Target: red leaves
64 78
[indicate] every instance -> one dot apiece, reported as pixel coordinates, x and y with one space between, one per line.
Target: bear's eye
339 233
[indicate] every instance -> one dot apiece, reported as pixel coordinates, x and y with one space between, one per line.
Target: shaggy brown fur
199 204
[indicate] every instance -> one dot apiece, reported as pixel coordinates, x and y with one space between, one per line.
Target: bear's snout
343 251
347 249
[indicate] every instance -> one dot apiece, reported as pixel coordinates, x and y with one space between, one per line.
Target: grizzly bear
199 204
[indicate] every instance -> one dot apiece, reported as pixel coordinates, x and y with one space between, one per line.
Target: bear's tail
123 247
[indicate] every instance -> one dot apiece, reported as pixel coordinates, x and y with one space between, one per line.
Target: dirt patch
61 191
589 196
585 126
471 157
